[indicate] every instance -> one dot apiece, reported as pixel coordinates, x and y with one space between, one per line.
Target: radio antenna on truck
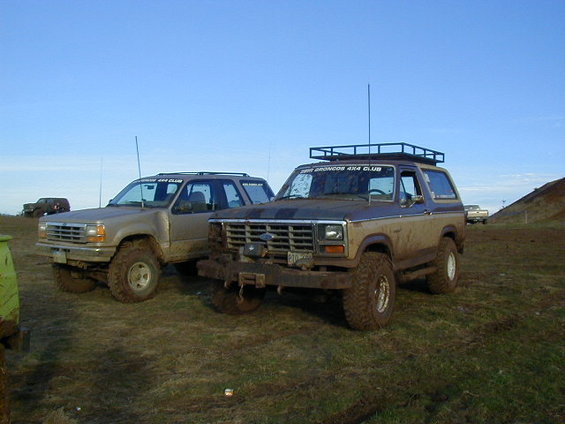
139 172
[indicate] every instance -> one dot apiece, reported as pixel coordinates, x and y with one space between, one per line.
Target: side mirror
418 200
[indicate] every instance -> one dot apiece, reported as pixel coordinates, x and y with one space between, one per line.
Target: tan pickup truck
157 220
359 222
474 214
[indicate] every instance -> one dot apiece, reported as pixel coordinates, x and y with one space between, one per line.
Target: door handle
427 212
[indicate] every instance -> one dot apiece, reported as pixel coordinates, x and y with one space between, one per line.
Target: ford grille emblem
267 236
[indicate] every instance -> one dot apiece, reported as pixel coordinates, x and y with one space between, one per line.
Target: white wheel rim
451 266
139 276
382 294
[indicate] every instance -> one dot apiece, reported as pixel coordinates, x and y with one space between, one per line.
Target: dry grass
490 353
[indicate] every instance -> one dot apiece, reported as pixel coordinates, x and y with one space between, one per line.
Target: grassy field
492 352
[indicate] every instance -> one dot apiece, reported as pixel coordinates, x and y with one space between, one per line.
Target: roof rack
395 151
241 174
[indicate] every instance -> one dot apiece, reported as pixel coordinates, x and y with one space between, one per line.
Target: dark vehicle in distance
46 206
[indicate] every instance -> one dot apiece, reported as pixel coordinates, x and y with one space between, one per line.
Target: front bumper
264 274
64 254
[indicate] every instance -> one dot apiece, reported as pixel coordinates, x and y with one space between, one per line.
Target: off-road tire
448 266
71 280
133 274
229 301
38 213
368 304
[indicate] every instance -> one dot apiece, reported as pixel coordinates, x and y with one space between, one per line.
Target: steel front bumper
262 274
65 253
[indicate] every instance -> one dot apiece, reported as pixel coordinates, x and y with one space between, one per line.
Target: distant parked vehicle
46 206
474 214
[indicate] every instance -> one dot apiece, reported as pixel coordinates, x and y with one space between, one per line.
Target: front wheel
368 304
133 274
71 280
234 300
447 263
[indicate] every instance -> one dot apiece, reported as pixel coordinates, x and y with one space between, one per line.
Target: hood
98 214
30 205
318 209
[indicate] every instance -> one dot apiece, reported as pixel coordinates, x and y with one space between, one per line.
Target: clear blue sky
250 85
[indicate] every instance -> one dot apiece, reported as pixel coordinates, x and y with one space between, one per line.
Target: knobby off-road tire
369 303
229 301
133 274
70 280
447 262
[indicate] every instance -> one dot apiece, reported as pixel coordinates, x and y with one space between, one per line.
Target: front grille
74 233
285 237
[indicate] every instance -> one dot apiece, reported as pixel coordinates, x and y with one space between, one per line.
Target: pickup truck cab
157 220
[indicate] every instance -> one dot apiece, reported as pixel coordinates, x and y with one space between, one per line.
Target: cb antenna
369 109
100 188
139 172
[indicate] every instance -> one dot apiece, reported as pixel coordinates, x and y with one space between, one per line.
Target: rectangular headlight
332 232
95 233
42 230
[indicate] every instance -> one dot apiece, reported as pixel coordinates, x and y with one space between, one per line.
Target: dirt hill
546 203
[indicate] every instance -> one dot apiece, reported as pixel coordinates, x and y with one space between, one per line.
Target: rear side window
439 184
258 191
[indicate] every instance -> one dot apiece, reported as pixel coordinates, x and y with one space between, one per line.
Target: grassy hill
544 204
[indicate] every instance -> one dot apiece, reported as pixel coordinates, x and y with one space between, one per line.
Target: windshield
258 191
343 181
154 192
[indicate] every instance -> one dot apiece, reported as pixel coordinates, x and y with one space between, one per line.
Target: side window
232 196
409 187
439 184
258 192
197 197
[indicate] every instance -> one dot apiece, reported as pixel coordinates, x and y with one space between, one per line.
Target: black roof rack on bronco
395 151
241 174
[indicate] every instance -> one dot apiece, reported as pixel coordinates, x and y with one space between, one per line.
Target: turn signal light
335 249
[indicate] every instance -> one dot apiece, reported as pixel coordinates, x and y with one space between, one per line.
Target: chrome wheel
451 266
139 276
382 293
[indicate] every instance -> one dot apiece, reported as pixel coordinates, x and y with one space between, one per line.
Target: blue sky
250 85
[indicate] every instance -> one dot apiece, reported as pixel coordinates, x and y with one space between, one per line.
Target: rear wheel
234 300
133 274
369 303
72 280
447 263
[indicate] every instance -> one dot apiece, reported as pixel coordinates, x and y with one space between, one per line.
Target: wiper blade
291 196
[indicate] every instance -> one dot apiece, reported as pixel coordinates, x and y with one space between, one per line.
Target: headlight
332 232
42 230
95 233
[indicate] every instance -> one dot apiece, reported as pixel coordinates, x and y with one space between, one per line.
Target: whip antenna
139 172
369 109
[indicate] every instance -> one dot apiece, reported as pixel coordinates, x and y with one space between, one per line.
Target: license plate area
59 257
300 259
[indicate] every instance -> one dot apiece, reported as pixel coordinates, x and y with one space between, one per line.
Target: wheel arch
375 243
143 241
